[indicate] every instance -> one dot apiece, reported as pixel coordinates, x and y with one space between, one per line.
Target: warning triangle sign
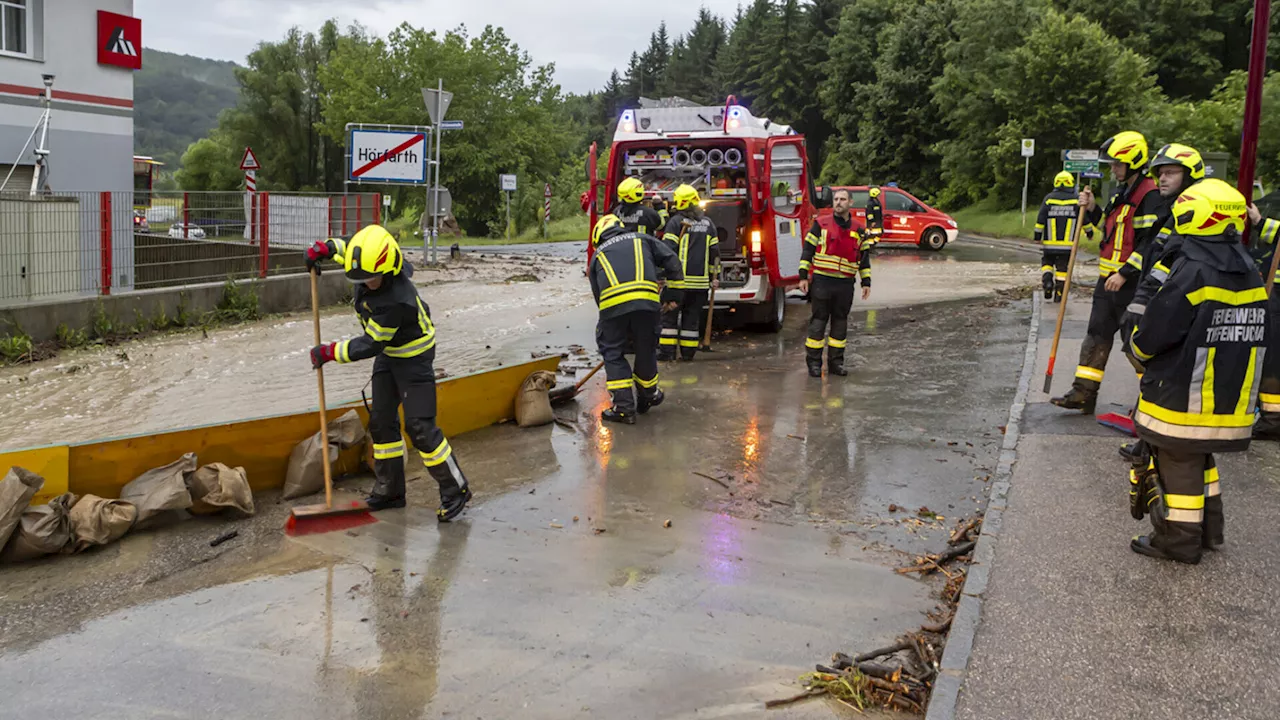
249 161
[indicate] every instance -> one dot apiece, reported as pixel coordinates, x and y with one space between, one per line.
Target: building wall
91 121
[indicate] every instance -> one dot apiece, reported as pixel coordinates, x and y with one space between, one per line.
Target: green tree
210 163
691 74
745 56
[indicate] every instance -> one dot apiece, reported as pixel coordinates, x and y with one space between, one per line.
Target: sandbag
216 487
533 404
158 492
97 521
42 530
16 491
305 474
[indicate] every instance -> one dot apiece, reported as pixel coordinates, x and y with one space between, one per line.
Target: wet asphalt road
610 615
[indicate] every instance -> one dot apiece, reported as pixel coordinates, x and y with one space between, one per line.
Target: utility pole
1253 97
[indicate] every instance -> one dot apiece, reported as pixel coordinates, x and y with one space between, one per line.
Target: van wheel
933 239
777 311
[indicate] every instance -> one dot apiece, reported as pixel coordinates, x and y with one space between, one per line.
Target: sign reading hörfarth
119 40
396 156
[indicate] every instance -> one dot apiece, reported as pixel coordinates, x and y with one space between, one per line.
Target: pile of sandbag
533 404
70 524
305 473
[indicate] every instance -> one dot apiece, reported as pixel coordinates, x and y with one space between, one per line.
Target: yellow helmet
1178 154
874 192
1127 147
370 253
685 196
604 223
1211 207
631 190
1064 179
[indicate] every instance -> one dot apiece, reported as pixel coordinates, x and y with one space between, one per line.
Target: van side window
899 202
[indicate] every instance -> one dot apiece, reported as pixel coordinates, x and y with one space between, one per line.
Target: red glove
322 354
322 250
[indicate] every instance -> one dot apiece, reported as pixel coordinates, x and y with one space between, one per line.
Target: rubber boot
835 361
382 502
1046 281
646 402
1268 427
613 414
813 358
1142 491
1078 399
1145 545
454 490
1057 291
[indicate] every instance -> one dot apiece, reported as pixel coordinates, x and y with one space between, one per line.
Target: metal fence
99 243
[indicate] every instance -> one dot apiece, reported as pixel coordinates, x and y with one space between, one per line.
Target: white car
192 231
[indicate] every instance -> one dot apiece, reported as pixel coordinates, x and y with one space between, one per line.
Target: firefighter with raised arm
1129 221
1265 233
632 212
875 216
624 281
1058 215
1175 168
834 256
399 336
693 237
1202 342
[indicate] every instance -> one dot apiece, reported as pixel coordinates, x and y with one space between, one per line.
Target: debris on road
223 538
898 677
715 480
666 524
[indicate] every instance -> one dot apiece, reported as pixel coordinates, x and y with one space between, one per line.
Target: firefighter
1130 219
1175 168
624 281
835 255
399 335
1265 233
1058 216
691 235
875 216
1202 342
631 210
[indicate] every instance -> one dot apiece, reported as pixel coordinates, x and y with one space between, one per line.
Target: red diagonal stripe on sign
390 154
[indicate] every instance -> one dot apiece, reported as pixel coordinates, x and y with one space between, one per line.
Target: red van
907 220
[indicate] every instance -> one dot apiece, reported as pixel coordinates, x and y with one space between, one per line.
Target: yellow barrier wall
261 446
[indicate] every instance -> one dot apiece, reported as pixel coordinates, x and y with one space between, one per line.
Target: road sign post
1028 149
250 165
508 185
437 102
546 212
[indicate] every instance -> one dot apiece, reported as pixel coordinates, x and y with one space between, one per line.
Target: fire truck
753 177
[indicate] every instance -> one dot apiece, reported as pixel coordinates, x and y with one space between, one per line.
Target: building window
15 28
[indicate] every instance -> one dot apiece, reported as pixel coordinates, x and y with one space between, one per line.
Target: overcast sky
585 47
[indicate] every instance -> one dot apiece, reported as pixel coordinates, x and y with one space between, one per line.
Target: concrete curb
955 659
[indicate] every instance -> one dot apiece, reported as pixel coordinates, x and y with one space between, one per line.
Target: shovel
566 393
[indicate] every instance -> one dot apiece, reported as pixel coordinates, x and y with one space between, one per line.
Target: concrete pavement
1074 624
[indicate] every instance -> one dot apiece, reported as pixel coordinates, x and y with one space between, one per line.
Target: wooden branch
716 480
810 693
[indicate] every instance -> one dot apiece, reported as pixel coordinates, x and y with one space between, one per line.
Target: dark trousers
410 382
680 326
1188 508
830 300
1104 323
636 330
1053 270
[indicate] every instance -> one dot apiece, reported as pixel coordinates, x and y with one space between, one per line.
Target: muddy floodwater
482 319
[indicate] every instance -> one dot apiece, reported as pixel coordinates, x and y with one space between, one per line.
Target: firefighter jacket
1058 215
396 322
875 214
834 248
1202 342
1263 246
1129 223
638 217
624 272
692 236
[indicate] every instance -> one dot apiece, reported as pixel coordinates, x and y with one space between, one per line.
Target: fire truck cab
753 177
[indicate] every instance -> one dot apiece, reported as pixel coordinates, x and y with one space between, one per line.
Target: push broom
311 519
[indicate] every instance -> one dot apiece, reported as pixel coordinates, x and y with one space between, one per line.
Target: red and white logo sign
119 40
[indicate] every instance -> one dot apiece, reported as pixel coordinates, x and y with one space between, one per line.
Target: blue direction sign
451 125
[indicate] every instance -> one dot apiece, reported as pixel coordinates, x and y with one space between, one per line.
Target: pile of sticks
898 677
